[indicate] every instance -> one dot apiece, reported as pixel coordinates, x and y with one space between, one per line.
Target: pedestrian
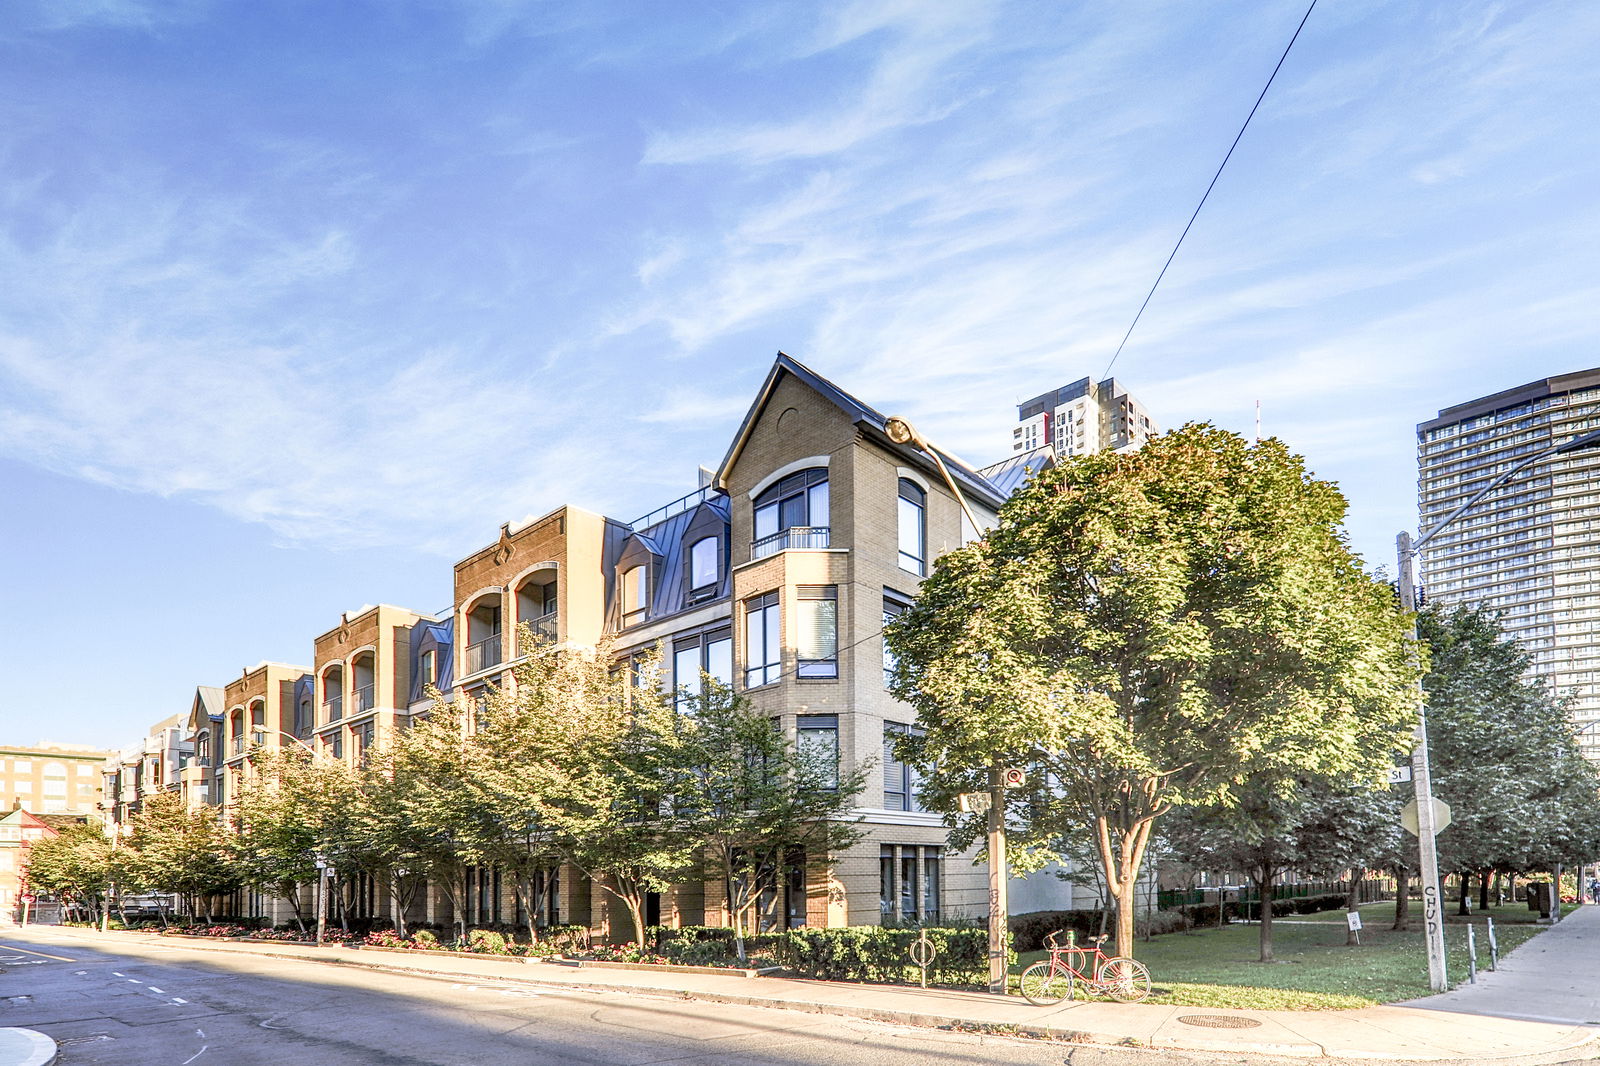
1594 890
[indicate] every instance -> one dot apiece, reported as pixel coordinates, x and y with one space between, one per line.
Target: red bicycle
1048 982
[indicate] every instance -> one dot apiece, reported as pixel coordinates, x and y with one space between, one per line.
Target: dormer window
635 595
703 564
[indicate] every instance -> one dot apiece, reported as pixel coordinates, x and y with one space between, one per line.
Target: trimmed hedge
1029 930
874 953
1326 901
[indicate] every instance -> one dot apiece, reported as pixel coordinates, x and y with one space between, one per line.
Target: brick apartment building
775 576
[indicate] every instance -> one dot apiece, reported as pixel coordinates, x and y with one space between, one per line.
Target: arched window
793 513
913 527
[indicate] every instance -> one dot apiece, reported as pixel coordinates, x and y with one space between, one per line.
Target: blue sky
300 301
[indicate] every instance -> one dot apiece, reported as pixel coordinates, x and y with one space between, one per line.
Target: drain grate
1218 1021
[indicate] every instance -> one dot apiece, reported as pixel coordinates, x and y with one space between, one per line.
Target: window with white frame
913 505
817 642
763 649
635 595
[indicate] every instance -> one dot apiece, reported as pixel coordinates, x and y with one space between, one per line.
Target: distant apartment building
1082 418
143 769
50 779
1531 549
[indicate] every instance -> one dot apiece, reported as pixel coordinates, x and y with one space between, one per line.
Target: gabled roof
863 416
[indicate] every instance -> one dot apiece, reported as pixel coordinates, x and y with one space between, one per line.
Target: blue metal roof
666 541
1009 475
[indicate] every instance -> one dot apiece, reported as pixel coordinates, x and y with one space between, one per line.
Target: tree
757 801
1151 630
187 853
1503 755
76 866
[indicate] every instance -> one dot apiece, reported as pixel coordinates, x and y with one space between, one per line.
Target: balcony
484 654
795 537
365 699
236 745
333 709
543 626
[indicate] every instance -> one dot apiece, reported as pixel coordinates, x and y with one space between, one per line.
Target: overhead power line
1213 185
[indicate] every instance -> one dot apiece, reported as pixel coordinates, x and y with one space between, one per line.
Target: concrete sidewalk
1555 977
1430 1033
24 1047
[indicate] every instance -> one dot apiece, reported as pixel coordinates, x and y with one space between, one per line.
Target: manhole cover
1218 1021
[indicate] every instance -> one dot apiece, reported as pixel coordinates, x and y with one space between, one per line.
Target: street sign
28 897
1353 920
975 801
1399 775
1441 816
1013 777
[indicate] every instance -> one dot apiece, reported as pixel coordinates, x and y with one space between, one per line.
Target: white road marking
175 999
201 1033
79 973
116 974
156 990
196 1055
133 980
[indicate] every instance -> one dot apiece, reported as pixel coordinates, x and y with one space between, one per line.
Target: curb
1306 1050
38 1049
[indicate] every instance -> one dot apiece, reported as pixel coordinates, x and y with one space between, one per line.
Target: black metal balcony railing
794 537
365 699
333 708
484 654
543 626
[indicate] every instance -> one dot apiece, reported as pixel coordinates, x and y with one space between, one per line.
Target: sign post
1353 920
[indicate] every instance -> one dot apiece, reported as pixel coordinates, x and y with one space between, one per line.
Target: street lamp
903 432
1428 853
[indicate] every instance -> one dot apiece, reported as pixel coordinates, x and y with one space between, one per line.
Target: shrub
1161 923
567 939
385 938
486 942
1029 930
873 953
425 939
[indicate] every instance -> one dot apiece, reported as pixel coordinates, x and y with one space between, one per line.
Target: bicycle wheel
1123 979
1044 985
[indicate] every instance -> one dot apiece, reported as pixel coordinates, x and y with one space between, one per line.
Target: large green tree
1149 630
187 853
1503 754
76 866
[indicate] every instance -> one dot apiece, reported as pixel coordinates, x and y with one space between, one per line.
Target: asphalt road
133 1004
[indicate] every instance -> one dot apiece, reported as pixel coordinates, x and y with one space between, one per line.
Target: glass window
635 596
900 780
425 668
893 607
799 500
763 653
913 527
817 642
908 883
818 741
694 657
703 568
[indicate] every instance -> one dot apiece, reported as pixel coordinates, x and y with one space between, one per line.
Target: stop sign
27 897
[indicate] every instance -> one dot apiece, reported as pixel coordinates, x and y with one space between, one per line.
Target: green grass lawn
1315 970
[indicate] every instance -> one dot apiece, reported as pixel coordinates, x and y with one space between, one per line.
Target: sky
300 301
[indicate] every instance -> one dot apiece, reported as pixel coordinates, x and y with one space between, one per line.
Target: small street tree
1150 630
187 853
758 802
75 866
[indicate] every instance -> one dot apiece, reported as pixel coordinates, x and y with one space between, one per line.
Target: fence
1371 889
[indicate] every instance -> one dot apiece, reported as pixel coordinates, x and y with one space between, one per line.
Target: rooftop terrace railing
678 506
